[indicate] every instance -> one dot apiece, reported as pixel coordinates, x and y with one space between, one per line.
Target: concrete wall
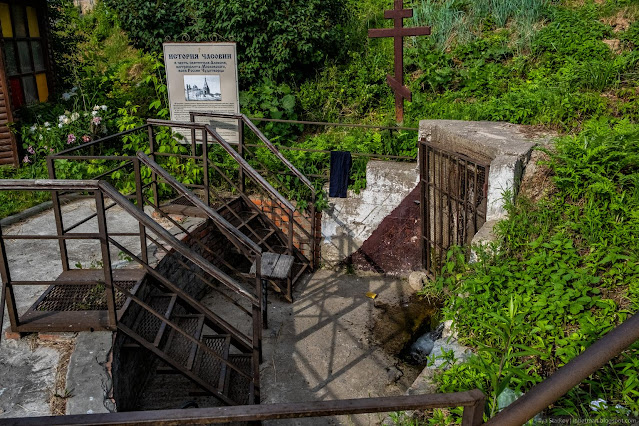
348 222
506 146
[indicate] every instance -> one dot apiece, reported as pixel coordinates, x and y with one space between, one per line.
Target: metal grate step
207 366
178 347
239 387
149 326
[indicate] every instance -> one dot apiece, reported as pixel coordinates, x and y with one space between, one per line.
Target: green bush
275 39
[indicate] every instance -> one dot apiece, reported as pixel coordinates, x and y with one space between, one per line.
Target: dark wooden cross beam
396 82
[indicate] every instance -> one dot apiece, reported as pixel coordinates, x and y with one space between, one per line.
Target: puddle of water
399 325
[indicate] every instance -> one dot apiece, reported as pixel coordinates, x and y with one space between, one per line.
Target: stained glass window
24 55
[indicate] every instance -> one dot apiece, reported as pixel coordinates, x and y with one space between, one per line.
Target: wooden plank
6 154
269 260
283 267
5 146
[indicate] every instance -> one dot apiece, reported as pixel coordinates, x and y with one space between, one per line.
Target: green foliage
460 21
275 39
570 266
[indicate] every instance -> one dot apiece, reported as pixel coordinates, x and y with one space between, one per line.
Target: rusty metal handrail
472 401
264 140
249 169
100 141
224 144
228 229
47 185
176 244
570 375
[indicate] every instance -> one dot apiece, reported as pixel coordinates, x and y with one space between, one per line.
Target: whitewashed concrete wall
348 222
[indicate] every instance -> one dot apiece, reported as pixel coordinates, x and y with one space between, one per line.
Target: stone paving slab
28 370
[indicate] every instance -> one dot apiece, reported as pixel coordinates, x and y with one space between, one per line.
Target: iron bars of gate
454 195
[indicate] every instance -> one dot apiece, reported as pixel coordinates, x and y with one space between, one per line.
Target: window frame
40 9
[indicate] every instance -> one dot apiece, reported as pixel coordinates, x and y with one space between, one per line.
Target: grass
12 202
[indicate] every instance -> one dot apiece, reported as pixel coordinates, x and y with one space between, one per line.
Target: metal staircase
154 303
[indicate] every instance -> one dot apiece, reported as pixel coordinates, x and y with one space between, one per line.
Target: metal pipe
312 123
99 141
245 413
570 375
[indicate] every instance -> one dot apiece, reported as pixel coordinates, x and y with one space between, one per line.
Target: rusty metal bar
570 375
7 296
74 236
246 413
154 177
240 150
57 213
106 260
91 157
175 243
312 123
139 197
229 230
99 141
205 168
56 282
47 185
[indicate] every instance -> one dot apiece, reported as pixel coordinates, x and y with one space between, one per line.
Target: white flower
47 124
40 137
33 128
598 404
66 120
66 96
104 107
60 125
61 118
74 89
94 113
75 116
96 108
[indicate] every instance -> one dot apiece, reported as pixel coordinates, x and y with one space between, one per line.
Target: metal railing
299 190
96 300
472 401
219 174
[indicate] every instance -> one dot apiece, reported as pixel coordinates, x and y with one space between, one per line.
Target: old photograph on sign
202 88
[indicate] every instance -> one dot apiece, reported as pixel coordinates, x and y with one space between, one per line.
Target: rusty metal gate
454 190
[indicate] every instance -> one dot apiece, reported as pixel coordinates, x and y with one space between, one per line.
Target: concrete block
87 377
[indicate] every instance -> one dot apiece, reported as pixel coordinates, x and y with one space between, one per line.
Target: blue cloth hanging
341 163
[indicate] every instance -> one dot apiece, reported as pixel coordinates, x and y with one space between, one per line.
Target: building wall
25 66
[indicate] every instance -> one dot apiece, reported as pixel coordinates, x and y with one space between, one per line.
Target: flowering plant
72 129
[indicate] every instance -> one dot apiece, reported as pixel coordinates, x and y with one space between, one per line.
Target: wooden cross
399 32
